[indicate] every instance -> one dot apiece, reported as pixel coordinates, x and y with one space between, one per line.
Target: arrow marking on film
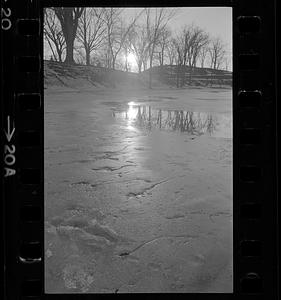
9 134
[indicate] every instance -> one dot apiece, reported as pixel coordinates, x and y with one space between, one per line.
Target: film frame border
254 162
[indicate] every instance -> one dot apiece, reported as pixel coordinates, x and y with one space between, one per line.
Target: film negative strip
65 237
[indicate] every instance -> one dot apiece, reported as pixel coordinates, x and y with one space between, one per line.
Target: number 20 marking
10 158
6 23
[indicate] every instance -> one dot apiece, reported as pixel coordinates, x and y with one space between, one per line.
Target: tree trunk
69 35
69 54
183 69
139 67
126 59
54 54
88 59
162 57
215 63
202 63
68 18
113 62
69 39
178 76
150 71
60 55
190 74
144 65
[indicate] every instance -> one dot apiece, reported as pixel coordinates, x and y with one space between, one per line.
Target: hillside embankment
92 77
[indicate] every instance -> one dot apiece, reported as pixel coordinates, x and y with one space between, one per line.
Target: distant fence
193 76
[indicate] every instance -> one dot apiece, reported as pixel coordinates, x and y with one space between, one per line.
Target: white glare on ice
131 113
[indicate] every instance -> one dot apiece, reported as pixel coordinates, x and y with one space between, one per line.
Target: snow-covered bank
80 77
129 209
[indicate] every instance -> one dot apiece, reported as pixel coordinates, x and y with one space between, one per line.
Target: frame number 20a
9 150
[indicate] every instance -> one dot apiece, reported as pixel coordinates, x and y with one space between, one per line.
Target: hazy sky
215 20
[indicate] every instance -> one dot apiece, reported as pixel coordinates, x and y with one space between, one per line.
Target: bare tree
226 62
127 48
155 24
91 30
199 40
53 34
189 42
111 18
171 51
217 53
179 47
162 45
139 45
202 55
183 44
104 56
68 17
117 32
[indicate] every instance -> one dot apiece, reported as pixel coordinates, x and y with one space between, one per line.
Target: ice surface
135 209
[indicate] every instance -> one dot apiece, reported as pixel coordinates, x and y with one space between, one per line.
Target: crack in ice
145 190
125 253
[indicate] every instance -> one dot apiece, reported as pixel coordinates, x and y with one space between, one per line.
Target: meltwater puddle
190 122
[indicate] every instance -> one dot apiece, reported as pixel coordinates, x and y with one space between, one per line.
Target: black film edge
254 136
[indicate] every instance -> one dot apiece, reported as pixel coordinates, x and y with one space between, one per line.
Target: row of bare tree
102 36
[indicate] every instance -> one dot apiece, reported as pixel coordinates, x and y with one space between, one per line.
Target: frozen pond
138 191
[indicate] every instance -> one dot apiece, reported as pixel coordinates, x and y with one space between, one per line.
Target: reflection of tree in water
177 120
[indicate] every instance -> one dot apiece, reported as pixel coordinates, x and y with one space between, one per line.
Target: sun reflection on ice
130 127
131 114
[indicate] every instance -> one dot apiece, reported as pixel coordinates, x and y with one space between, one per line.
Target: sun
131 59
